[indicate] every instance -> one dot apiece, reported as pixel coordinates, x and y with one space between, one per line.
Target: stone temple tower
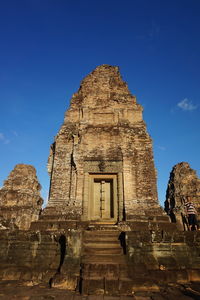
103 232
101 163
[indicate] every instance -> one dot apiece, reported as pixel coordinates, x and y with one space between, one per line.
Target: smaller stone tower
183 182
20 200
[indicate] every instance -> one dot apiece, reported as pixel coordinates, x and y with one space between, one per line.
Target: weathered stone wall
163 256
183 182
20 200
103 124
154 257
35 257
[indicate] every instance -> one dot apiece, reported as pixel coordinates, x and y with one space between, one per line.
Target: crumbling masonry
103 149
103 230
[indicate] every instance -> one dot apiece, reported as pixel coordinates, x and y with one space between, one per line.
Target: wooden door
103 204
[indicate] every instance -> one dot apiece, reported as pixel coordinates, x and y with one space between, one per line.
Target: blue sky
48 46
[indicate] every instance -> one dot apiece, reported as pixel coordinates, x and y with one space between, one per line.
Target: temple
101 163
103 232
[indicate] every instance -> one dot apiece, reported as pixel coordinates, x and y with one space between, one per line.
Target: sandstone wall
20 200
163 256
154 257
35 257
103 132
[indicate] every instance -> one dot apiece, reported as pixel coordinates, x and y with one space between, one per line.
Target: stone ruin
20 200
101 163
183 182
103 231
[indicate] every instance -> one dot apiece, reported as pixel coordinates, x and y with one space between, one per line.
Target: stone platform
12 290
94 260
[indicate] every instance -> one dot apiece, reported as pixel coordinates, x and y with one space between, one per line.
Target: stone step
148 218
104 276
103 259
99 233
101 244
102 251
108 230
101 240
105 271
106 287
103 227
55 217
49 225
105 234
104 267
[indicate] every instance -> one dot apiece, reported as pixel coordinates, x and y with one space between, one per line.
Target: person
191 214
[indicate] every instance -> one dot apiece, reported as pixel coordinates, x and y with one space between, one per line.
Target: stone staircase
104 267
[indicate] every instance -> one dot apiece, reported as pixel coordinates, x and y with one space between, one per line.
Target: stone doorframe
117 181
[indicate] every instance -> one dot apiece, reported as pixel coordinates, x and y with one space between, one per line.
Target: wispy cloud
162 148
186 105
1 136
15 133
6 141
3 139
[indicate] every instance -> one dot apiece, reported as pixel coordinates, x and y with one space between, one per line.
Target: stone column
85 196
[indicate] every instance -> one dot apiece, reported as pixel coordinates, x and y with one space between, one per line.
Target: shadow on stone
62 242
122 239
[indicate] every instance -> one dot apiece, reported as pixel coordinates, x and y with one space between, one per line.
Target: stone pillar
85 196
